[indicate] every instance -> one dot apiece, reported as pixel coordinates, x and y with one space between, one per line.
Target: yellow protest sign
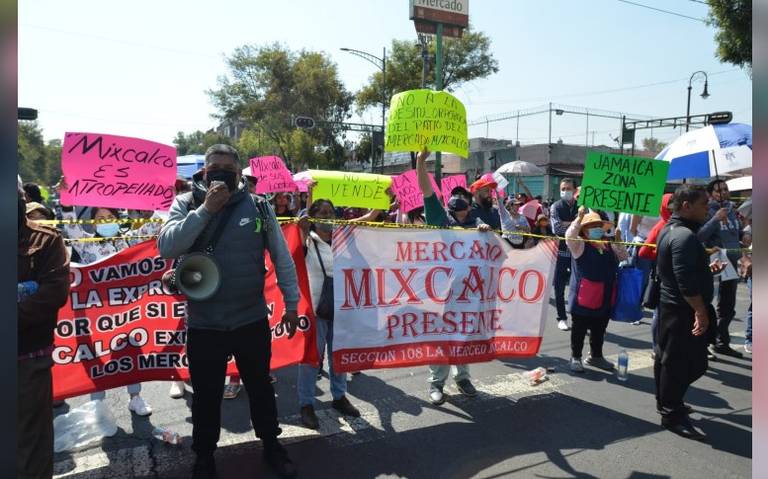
361 190
425 118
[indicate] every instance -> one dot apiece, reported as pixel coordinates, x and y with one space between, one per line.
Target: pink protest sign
117 172
451 182
272 174
406 188
302 185
531 209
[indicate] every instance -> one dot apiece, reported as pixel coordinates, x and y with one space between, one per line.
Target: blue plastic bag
629 295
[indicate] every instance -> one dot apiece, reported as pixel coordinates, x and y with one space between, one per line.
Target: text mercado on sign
623 183
423 118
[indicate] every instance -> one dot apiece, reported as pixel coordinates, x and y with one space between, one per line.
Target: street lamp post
704 95
381 64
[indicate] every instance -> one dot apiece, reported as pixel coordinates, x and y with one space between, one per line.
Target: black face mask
486 202
228 177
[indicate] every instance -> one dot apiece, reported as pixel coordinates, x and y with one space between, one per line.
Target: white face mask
567 195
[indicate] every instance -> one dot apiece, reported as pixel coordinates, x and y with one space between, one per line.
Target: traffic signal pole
438 87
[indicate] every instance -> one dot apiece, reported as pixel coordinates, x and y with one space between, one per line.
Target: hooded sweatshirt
649 252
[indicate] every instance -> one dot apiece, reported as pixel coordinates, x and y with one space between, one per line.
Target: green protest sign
426 118
628 184
360 190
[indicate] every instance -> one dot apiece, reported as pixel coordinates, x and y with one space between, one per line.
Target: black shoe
277 459
466 388
204 468
688 409
345 407
684 428
309 418
727 351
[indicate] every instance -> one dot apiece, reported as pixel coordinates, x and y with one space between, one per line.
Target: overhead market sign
447 12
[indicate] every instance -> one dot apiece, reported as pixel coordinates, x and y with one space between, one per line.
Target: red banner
120 326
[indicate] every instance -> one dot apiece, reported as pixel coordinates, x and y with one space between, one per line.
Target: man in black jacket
684 313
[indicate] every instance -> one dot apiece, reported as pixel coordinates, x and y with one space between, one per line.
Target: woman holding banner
595 265
93 247
319 259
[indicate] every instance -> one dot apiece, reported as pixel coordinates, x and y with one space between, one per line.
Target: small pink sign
117 172
273 175
451 182
406 188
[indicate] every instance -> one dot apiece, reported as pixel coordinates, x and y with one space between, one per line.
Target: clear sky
141 68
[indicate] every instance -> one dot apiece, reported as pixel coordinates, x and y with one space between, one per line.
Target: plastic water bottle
166 435
25 290
536 376
622 371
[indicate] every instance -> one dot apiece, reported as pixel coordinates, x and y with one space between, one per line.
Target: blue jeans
308 374
438 373
132 389
748 332
562 276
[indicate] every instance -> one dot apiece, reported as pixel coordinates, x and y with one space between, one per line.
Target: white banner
405 297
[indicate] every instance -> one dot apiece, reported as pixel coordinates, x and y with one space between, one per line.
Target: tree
733 20
364 148
31 150
464 59
269 85
653 145
197 142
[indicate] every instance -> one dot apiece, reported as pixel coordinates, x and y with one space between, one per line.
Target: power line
663 11
125 42
597 92
701 2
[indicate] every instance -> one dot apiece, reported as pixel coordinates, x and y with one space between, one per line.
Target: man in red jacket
43 277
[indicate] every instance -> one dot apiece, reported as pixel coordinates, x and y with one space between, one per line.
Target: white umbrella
520 168
740 184
709 151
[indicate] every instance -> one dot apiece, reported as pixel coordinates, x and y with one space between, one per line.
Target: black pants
681 359
726 310
208 351
34 424
596 327
562 276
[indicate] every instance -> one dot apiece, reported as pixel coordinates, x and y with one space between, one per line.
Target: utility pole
438 87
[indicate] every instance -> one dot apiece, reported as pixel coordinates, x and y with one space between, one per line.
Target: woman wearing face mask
319 259
512 220
542 228
593 285
92 251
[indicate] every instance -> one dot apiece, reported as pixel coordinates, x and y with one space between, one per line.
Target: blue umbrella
710 151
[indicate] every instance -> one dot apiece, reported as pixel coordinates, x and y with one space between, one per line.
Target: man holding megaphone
219 232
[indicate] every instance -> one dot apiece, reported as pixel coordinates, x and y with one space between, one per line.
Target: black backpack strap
319 258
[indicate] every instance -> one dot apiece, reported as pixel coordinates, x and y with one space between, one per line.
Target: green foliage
464 59
38 162
733 20
197 142
268 86
653 145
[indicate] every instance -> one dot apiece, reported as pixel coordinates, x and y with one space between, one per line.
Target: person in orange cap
482 206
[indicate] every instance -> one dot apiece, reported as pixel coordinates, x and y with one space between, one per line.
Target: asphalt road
589 425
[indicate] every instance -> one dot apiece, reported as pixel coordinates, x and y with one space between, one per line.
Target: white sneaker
139 406
576 365
177 389
562 325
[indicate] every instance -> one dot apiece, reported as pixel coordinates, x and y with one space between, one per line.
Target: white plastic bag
83 425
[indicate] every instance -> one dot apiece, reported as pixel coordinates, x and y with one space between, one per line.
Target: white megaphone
198 276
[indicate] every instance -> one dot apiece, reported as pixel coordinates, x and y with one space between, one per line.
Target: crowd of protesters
671 250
